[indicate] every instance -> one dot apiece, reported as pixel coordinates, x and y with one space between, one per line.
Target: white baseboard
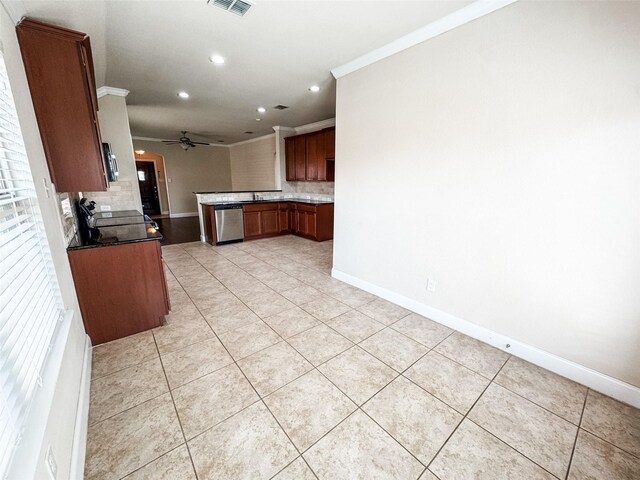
82 418
600 382
164 212
203 238
183 215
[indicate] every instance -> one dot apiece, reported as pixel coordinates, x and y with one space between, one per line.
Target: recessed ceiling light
140 152
258 119
314 88
216 59
183 94
261 109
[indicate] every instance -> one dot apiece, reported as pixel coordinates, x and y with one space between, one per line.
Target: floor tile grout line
538 405
575 441
175 409
151 461
610 443
466 417
512 447
404 371
146 360
260 399
462 420
316 367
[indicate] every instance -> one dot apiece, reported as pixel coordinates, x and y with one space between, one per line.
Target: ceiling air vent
248 133
280 107
239 7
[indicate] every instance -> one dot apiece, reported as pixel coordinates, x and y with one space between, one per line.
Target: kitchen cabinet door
121 289
290 158
209 217
59 69
300 157
293 219
269 221
314 143
252 224
330 143
283 218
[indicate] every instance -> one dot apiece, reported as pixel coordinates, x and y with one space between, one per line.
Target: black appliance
110 163
84 212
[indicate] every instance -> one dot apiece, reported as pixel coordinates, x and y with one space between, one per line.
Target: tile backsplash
321 188
120 196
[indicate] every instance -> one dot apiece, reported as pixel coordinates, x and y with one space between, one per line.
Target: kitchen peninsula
268 213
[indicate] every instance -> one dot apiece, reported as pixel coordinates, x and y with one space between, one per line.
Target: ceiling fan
184 142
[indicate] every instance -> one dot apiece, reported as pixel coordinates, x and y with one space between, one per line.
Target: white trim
26 457
164 212
251 140
597 381
183 215
203 239
118 92
151 139
466 14
314 127
79 450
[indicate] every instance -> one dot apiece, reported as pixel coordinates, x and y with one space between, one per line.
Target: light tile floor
270 368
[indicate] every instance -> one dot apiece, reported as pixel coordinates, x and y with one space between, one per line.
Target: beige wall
198 169
502 160
57 418
114 128
253 164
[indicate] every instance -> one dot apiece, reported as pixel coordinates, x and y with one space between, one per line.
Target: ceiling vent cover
280 107
239 7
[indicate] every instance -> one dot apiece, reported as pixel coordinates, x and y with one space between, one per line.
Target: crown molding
279 128
313 127
475 10
251 140
119 92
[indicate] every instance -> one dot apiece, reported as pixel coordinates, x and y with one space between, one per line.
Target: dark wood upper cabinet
330 143
59 68
310 156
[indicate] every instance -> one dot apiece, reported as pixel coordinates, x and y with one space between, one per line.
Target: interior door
148 188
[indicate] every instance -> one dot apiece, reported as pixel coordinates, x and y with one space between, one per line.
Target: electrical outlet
52 466
431 285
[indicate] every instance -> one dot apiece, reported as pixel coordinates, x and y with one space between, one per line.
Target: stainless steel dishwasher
229 223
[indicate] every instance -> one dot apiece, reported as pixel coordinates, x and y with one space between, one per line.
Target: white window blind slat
30 305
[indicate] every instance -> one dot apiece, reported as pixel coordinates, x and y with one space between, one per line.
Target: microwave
110 163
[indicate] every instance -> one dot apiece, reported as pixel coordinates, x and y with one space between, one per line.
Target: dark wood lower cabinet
121 289
309 221
209 220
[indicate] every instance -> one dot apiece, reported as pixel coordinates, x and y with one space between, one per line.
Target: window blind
30 304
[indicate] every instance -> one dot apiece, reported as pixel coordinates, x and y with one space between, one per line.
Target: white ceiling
274 53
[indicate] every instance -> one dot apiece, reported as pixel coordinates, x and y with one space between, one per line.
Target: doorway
148 185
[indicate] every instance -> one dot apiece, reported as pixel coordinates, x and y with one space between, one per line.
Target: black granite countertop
116 228
275 200
240 191
117 214
112 222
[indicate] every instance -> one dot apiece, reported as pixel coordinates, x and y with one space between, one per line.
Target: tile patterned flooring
270 368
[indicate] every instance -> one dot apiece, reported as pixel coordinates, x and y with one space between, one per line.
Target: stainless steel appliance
110 163
229 223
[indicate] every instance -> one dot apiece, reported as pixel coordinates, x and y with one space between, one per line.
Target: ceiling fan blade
200 143
170 142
